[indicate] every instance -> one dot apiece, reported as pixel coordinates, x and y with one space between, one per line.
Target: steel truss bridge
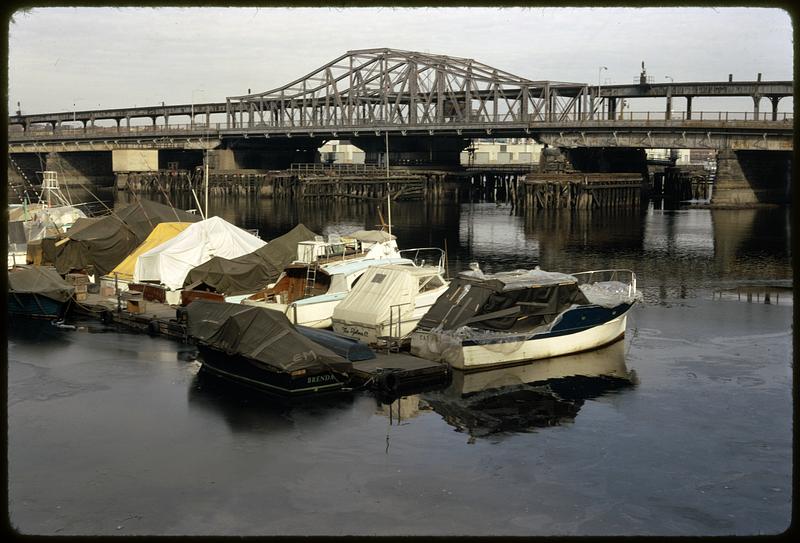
374 92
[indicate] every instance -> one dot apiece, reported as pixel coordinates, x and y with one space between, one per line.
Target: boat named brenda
487 320
260 348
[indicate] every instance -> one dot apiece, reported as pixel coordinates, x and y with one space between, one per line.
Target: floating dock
388 373
398 373
154 318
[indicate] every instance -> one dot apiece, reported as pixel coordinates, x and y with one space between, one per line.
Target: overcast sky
89 58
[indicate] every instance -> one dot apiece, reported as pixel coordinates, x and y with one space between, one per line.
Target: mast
205 178
388 193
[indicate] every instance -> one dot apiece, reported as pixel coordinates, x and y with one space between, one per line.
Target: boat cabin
513 301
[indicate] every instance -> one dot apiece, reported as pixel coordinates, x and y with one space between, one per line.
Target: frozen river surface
688 432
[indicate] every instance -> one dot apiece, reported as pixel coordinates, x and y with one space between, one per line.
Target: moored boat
167 264
234 279
388 302
488 320
29 223
260 348
38 292
310 288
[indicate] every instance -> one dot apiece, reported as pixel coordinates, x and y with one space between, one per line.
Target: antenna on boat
205 177
388 191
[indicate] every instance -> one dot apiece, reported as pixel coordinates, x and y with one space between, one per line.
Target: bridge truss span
388 86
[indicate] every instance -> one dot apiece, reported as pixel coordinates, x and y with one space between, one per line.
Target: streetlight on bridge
670 78
600 71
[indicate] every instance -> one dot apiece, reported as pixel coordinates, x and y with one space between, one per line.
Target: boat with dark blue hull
260 348
489 320
38 292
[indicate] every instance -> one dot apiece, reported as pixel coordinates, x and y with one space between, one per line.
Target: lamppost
600 71
194 91
669 97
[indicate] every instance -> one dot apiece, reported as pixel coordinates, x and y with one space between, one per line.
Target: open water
682 429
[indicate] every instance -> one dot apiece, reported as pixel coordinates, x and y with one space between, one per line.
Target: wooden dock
154 318
388 373
400 373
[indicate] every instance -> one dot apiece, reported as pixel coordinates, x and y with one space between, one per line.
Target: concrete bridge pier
752 177
594 160
86 168
412 150
274 154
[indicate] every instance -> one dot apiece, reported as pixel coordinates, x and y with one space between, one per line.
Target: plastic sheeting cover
170 262
163 232
376 291
608 293
253 271
104 243
490 305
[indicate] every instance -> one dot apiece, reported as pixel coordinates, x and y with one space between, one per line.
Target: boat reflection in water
539 394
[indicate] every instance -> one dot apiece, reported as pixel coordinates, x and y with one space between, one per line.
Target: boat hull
376 333
603 326
314 312
248 372
33 305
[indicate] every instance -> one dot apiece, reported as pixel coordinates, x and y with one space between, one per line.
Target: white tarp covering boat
169 262
388 300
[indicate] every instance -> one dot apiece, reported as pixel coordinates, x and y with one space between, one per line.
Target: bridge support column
756 102
688 108
82 168
607 159
273 154
410 151
774 100
752 177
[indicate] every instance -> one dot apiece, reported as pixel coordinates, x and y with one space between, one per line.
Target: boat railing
395 326
627 277
421 256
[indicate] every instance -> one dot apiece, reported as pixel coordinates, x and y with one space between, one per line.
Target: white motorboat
311 287
488 320
388 302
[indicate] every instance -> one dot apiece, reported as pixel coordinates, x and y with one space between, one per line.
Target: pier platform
388 373
154 318
398 373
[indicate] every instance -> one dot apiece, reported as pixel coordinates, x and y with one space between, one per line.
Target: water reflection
251 411
672 251
35 332
540 394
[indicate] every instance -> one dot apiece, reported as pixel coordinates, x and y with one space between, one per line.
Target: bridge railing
720 116
213 129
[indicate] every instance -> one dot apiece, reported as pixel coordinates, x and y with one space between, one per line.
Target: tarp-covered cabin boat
38 292
388 302
260 348
485 320
311 287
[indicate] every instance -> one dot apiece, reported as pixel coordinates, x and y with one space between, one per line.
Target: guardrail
214 130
